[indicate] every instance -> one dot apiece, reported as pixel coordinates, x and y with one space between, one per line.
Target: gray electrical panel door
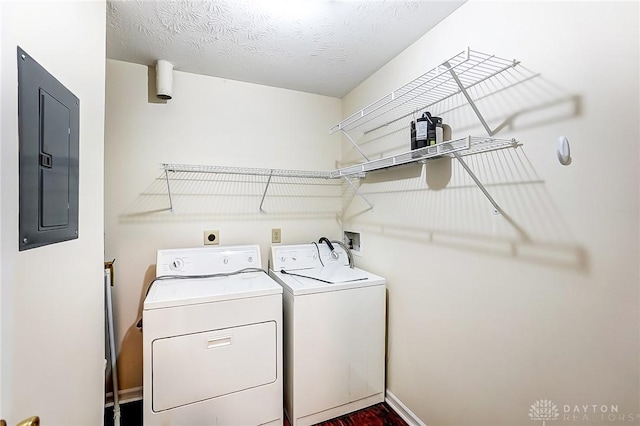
48 117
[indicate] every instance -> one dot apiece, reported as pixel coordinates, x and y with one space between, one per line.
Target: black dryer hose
326 240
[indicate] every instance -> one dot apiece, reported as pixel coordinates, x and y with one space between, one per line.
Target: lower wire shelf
464 146
455 148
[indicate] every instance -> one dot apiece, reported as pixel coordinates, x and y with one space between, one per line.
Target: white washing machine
212 346
334 333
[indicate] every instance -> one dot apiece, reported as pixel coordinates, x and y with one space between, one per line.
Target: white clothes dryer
212 351
334 333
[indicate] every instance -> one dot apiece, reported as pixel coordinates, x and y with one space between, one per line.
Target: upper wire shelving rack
450 78
453 76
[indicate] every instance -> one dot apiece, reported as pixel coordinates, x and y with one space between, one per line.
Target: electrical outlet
276 235
211 237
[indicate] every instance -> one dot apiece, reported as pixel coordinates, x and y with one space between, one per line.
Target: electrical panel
48 126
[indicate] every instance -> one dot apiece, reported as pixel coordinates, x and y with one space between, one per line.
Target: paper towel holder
164 79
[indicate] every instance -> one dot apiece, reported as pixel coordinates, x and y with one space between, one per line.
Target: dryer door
201 366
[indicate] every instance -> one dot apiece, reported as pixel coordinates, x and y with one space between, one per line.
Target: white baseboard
402 410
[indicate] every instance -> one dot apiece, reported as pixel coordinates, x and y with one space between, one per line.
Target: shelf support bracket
466 95
355 145
264 194
357 191
166 176
493 202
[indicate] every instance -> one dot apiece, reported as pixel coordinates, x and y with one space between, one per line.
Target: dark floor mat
376 415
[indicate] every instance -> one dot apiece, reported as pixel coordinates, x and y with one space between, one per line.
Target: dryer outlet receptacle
211 237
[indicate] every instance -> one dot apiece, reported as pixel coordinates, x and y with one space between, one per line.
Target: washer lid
190 291
319 280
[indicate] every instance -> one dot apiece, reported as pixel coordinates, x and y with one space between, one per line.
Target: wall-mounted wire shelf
465 146
453 76
189 168
175 169
461 147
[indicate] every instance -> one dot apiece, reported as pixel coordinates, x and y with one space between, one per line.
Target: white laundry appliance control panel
209 260
305 256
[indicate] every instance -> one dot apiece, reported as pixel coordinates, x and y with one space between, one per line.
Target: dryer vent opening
164 79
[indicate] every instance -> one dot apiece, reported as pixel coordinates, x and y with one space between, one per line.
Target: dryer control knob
225 260
176 264
282 259
250 259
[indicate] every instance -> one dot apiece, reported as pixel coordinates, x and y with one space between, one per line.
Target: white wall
482 323
2 359
2 375
209 121
52 297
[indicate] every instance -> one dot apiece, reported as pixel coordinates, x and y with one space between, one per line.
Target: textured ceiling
317 46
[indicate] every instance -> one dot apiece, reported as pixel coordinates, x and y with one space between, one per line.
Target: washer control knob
250 259
282 259
176 264
225 260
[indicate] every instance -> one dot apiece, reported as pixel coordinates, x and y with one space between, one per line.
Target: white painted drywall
52 297
2 233
209 121
481 323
